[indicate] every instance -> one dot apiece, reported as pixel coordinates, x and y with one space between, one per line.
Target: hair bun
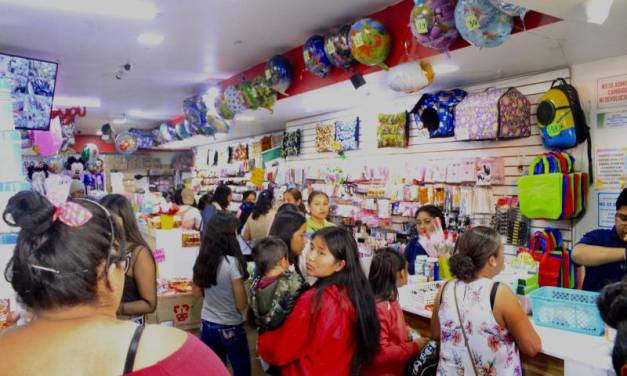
612 303
462 267
30 211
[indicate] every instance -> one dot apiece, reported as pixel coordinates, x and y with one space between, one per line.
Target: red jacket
309 343
395 348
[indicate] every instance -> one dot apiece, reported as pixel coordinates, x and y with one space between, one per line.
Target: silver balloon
509 8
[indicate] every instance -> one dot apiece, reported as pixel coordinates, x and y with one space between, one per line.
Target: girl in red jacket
333 329
388 271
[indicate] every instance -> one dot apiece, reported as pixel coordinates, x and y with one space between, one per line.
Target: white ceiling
199 49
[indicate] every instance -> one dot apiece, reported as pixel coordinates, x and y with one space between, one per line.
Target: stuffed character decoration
75 168
94 179
37 174
67 132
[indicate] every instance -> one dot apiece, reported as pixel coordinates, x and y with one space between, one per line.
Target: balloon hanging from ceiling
47 143
182 132
235 99
410 77
432 23
337 47
278 73
482 24
220 125
315 58
195 111
125 143
167 133
370 42
56 164
249 94
510 8
222 107
266 96
90 152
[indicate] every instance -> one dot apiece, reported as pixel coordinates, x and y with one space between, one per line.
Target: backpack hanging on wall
561 119
437 112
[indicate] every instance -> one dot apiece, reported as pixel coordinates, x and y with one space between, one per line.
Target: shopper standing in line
219 274
190 215
318 212
293 196
248 204
425 225
68 269
140 281
485 312
333 328
220 201
258 224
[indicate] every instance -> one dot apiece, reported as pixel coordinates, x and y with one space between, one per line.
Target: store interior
507 115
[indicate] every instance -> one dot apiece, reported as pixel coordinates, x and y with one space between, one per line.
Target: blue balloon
195 111
167 133
482 24
316 60
182 132
279 73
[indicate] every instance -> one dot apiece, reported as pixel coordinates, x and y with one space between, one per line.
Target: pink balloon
50 141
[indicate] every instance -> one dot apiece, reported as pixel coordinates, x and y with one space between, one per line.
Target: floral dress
492 346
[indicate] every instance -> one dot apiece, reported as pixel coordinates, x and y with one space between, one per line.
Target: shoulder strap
461 324
495 287
132 349
443 287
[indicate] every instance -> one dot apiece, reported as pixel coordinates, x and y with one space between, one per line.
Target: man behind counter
604 252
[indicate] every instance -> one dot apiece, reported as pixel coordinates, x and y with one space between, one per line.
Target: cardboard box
180 311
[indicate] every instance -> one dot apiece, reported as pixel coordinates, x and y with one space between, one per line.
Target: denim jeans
228 342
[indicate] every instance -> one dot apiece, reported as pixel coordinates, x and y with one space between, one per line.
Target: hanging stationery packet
392 130
291 144
255 150
347 134
241 153
437 111
490 171
325 137
277 140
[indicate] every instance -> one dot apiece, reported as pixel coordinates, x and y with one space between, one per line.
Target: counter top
591 351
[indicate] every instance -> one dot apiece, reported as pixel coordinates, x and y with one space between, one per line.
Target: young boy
275 288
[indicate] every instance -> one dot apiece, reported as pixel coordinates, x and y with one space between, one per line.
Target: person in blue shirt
220 201
425 222
604 252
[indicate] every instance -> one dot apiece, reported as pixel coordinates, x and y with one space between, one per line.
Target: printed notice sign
612 119
612 91
610 168
606 208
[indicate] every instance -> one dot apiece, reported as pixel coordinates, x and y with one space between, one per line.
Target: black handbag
424 363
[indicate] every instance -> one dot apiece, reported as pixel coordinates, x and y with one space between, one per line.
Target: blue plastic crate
567 309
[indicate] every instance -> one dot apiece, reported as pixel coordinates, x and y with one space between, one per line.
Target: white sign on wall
606 208
612 91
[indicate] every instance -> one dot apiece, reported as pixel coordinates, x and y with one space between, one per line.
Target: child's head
388 272
270 254
249 196
478 250
612 304
318 205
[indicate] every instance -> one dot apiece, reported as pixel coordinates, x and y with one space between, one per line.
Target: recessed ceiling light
130 9
65 101
445 68
150 39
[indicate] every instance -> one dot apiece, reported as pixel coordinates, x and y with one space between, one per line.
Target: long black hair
612 303
264 204
204 201
385 265
434 212
285 224
342 245
219 241
221 196
55 265
121 206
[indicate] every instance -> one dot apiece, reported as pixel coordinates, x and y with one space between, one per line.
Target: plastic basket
567 309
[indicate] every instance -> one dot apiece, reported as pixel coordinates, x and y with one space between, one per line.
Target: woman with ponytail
388 272
480 323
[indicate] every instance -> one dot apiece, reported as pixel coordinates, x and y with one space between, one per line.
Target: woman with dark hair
493 322
388 272
290 227
293 196
612 304
248 204
220 201
333 329
219 274
68 269
204 200
425 224
258 224
140 281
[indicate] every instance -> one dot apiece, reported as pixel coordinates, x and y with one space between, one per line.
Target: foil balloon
222 107
266 96
370 42
125 143
509 8
56 164
181 131
482 24
278 73
167 133
145 138
433 23
157 135
90 153
235 99
47 143
220 125
337 47
410 77
195 111
249 94
315 58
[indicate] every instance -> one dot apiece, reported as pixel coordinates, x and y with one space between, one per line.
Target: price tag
472 23
421 25
268 74
358 40
553 129
330 47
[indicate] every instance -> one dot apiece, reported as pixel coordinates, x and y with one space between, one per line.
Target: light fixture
245 118
444 68
66 101
150 39
597 11
130 9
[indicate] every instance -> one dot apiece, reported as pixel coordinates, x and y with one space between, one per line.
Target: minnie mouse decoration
37 174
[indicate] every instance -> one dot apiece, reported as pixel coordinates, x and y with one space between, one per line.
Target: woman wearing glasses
68 269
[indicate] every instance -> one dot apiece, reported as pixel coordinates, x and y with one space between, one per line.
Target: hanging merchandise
181 131
337 47
240 152
510 8
249 94
222 107
291 144
167 133
47 143
55 164
216 124
278 73
410 77
392 130
125 144
266 143
145 138
325 137
315 58
490 171
482 24
90 153
255 150
370 42
553 190
195 111
94 178
235 99
436 112
347 134
491 114
433 23
37 174
266 96
277 140
556 266
75 168
67 135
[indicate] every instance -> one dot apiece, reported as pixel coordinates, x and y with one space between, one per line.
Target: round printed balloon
181 131
90 153
125 143
167 133
482 24
249 94
316 60
222 107
56 164
266 96
337 47
220 125
235 99
433 23
410 77
370 42
278 73
509 8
